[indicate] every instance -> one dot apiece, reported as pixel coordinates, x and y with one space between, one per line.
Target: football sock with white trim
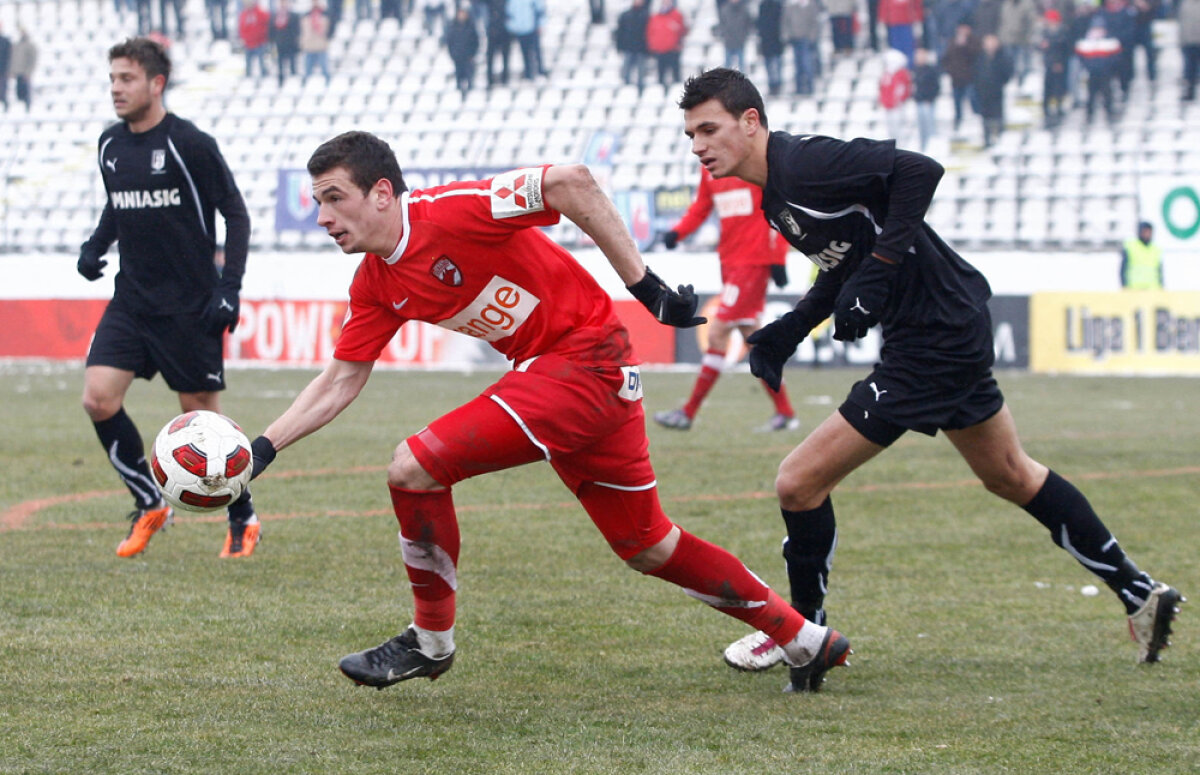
1074 526
430 542
711 366
808 553
242 509
715 577
121 440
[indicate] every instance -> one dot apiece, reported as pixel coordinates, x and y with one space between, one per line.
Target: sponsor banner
1172 206
1130 332
1010 330
290 333
58 329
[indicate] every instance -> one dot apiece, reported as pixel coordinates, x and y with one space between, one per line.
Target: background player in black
857 209
164 179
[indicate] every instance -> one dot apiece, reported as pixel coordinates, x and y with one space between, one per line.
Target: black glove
222 311
667 306
774 344
862 299
779 275
91 266
264 452
670 239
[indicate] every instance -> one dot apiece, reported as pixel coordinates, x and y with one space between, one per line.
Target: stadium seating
1074 188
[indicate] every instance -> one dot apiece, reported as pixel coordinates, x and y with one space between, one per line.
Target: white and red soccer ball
201 461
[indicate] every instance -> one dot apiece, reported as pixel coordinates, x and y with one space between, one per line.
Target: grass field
975 651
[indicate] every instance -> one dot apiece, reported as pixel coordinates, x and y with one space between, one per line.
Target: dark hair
731 88
367 158
147 53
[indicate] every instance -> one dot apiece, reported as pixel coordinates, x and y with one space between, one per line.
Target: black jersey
164 187
838 201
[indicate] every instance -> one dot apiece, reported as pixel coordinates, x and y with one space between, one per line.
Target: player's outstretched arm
326 396
571 190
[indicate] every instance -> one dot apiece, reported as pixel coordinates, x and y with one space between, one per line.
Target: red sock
710 371
714 576
780 398
429 541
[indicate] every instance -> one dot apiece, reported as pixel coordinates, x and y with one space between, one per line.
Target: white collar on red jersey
400 248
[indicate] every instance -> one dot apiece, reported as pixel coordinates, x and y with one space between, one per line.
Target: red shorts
743 293
572 416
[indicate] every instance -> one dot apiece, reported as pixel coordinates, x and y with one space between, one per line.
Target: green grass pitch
975 651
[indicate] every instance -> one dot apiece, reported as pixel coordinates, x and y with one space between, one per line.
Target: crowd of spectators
973 52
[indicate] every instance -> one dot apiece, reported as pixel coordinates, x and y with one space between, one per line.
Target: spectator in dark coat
284 31
770 42
1120 19
1189 42
462 40
1057 47
927 85
993 71
986 18
630 39
1101 56
5 64
959 63
735 21
499 42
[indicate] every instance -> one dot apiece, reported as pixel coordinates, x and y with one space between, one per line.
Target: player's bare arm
326 396
571 190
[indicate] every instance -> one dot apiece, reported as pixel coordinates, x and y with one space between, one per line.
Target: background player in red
469 256
750 253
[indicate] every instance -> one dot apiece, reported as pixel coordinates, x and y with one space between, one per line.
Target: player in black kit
857 210
172 304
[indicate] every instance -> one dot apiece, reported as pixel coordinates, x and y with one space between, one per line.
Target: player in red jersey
470 257
751 253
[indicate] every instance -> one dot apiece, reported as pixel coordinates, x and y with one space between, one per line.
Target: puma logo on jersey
876 390
497 312
111 164
831 256
214 377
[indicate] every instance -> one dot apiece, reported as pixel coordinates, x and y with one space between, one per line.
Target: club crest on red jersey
447 271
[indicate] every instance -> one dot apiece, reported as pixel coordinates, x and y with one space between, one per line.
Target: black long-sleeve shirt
840 201
164 188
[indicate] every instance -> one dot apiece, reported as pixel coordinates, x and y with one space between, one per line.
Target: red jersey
746 237
471 259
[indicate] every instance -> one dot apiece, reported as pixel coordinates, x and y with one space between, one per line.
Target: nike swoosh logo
399 305
394 676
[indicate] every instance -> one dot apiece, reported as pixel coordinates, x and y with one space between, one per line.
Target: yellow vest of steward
1142 265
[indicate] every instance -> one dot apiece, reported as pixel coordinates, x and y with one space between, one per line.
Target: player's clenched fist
675 308
773 344
861 302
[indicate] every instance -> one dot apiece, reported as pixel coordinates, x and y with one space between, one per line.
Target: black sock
808 552
121 440
1074 526
242 509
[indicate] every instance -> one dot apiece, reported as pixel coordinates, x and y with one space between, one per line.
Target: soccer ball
202 461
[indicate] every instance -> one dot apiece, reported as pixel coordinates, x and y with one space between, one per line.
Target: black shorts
190 358
945 385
